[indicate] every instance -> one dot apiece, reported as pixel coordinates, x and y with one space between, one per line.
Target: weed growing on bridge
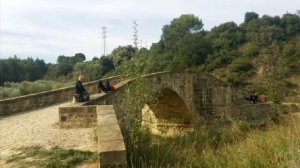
135 98
55 157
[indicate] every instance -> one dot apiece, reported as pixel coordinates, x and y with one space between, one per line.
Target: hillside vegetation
261 54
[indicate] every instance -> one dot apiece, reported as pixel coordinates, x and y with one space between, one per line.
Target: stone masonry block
113 159
107 120
77 117
109 133
111 146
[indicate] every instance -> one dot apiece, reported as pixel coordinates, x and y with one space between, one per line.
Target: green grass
55 157
234 146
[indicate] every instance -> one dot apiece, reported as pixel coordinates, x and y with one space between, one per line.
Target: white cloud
49 28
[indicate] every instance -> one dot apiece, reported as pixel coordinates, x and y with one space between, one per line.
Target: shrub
12 89
251 51
55 157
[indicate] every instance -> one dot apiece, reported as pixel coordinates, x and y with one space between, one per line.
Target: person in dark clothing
254 98
108 86
81 95
101 87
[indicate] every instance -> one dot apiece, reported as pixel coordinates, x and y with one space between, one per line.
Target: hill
261 54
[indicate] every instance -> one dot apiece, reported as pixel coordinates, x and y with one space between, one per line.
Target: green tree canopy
291 23
71 60
179 27
122 53
16 70
226 35
251 16
106 65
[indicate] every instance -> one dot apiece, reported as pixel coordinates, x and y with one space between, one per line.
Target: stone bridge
183 100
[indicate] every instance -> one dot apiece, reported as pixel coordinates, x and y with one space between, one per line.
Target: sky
45 29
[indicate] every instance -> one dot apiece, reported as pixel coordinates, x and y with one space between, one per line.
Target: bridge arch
167 114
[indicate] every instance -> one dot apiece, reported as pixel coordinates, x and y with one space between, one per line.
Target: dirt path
39 127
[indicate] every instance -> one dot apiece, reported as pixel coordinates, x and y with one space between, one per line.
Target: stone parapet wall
78 117
111 145
256 114
261 113
42 99
286 108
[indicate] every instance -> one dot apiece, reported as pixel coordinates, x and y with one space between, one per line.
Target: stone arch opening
167 114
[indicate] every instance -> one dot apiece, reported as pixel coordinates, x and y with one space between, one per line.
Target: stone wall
255 114
210 96
42 99
77 117
286 108
111 145
260 113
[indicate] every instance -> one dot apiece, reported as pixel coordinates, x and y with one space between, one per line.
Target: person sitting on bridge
110 87
101 87
81 95
262 98
254 98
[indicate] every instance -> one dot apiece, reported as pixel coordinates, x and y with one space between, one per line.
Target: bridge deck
39 127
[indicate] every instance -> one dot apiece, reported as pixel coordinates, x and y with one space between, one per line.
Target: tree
239 72
270 21
251 16
79 57
192 50
106 65
226 35
16 70
95 59
41 69
62 59
268 34
291 23
122 53
63 69
72 60
179 27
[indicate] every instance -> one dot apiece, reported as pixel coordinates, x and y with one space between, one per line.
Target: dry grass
235 146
